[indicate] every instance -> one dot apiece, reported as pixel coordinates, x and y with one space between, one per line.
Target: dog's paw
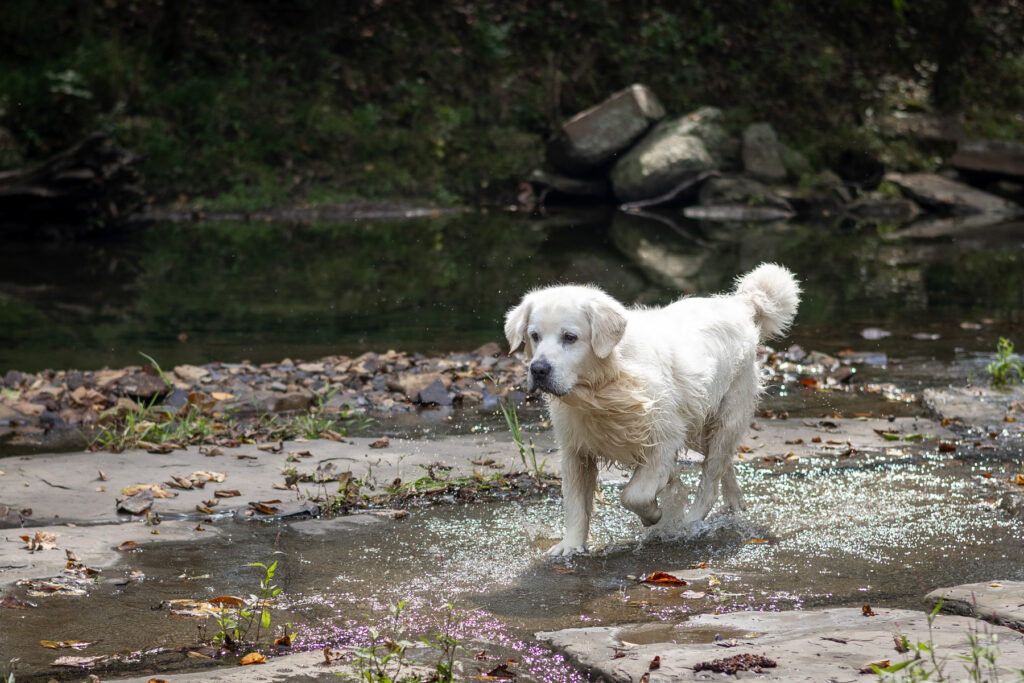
566 549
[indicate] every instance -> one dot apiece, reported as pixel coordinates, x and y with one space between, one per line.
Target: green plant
383 658
925 664
1006 367
527 455
237 617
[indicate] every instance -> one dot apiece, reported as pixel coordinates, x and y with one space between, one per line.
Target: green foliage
250 104
925 663
528 455
251 616
383 658
1006 367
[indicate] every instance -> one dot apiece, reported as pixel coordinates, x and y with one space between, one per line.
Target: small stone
191 373
435 393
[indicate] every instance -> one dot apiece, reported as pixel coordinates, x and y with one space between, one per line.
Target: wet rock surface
815 645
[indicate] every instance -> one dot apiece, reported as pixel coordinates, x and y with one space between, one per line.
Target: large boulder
948 195
761 153
671 153
591 139
991 156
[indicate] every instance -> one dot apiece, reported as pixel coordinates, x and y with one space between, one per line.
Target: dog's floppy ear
607 325
516 321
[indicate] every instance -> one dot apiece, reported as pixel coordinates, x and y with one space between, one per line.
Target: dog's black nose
540 369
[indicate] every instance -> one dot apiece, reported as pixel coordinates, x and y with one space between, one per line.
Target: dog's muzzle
541 377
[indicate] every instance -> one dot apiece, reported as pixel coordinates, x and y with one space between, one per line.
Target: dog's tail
774 294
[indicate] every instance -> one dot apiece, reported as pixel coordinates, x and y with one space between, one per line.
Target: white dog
635 386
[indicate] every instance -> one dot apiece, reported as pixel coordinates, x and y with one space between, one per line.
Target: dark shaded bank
267 103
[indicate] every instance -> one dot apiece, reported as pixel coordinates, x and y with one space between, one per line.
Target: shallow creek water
882 530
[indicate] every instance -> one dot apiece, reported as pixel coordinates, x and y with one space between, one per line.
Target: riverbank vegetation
246 105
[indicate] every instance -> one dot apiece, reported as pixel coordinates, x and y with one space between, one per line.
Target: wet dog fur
634 386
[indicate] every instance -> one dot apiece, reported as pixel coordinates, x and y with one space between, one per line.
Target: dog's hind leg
719 446
579 479
640 495
731 489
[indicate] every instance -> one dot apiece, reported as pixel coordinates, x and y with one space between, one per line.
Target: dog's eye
569 338
535 337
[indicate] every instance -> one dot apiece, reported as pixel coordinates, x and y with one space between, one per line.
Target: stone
899 210
941 193
922 126
999 602
806 645
592 138
141 385
191 373
734 198
487 350
667 156
12 378
582 188
761 157
435 393
412 384
990 156
292 402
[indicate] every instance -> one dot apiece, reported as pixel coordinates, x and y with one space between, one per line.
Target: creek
882 529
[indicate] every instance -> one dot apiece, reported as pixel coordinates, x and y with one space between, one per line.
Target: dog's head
568 330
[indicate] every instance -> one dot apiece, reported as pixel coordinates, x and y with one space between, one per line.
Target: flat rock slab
1000 602
935 191
95 546
991 156
830 644
68 487
979 406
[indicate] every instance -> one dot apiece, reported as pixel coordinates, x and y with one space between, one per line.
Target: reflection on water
262 292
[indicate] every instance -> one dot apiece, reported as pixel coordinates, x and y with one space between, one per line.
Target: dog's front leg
579 478
640 495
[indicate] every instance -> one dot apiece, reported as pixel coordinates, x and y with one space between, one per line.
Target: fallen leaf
272 447
867 611
229 600
102 475
655 663
128 545
155 489
221 396
205 510
382 442
211 450
283 641
83 662
227 493
75 644
754 540
42 540
664 579
498 673
252 658
869 666
263 508
11 602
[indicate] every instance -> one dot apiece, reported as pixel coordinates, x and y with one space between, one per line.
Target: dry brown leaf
664 579
42 540
128 545
227 493
252 658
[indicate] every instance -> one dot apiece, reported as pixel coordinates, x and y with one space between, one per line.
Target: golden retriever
634 386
